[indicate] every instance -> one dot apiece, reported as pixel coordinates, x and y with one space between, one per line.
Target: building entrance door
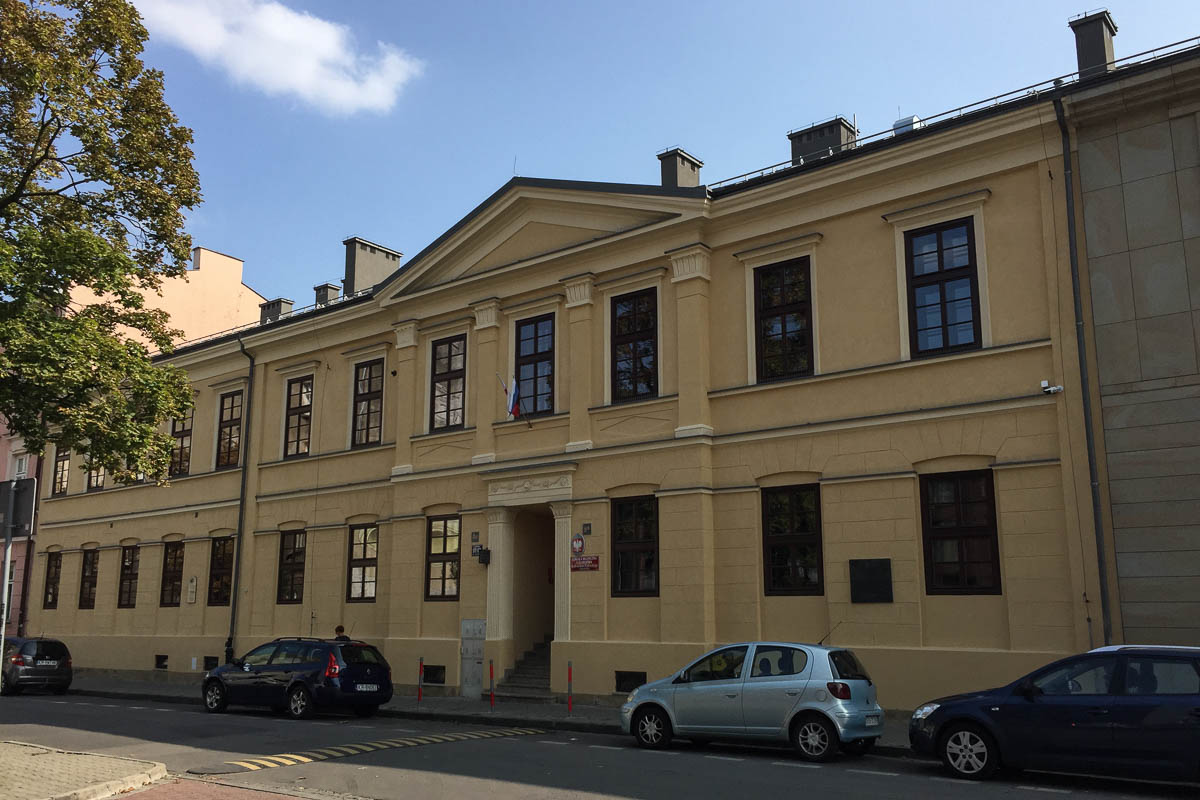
474 631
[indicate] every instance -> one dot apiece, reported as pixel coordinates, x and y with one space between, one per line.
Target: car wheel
815 739
652 729
300 703
858 747
366 711
969 752
216 699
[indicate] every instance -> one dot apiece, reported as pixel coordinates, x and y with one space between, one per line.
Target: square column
562 571
690 274
579 317
406 393
487 343
501 533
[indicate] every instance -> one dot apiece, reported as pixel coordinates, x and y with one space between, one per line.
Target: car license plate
367 687
872 720
47 663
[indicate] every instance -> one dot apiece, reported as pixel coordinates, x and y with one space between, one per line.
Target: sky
315 121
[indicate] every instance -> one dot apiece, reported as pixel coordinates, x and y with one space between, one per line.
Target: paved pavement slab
33 772
176 789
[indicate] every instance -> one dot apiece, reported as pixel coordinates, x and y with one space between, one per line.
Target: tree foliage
95 176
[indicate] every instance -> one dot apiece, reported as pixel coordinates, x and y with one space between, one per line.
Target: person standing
340 634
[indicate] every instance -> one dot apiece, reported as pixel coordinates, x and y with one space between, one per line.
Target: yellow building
804 404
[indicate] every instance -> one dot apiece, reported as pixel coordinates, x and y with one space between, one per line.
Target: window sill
367 600
874 368
442 432
622 595
794 593
535 419
964 592
318 456
641 401
441 599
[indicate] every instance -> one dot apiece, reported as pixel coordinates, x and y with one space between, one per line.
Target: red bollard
492 684
570 698
420 678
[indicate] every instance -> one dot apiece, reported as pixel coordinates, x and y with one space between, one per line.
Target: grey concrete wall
1141 200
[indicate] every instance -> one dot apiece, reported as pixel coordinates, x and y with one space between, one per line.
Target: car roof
823 648
1149 648
316 640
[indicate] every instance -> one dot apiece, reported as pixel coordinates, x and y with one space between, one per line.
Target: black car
301 675
36 664
1117 709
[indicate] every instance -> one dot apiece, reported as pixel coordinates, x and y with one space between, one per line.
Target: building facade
1139 166
836 401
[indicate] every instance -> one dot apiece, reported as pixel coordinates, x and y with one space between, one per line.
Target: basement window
435 673
160 662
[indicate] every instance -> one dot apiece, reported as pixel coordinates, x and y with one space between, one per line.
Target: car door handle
731 695
793 694
1097 712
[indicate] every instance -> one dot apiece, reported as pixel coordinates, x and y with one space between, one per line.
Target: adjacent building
837 399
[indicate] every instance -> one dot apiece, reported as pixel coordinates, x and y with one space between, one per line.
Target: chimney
822 139
367 264
679 168
1093 42
273 309
326 293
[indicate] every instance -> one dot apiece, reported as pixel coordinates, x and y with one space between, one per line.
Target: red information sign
585 563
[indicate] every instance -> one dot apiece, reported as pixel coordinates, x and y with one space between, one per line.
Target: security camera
1048 389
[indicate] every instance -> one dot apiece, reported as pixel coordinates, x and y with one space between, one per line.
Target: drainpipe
237 542
1093 470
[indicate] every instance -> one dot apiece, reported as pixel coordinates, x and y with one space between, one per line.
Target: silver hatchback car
819 698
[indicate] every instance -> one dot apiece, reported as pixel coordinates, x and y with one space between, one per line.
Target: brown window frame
357 558
127 577
649 544
50 590
763 277
293 553
229 430
62 472
634 337
447 377
89 574
791 540
181 447
220 570
170 590
961 533
297 424
95 479
528 394
366 397
443 558
941 277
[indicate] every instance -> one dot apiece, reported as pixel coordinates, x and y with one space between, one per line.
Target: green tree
95 175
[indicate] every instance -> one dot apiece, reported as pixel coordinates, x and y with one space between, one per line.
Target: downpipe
1085 384
248 406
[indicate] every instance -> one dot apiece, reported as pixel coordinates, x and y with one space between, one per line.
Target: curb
97 791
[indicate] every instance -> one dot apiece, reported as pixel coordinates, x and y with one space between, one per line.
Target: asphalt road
390 758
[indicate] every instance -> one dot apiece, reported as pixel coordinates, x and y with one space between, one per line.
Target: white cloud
265 44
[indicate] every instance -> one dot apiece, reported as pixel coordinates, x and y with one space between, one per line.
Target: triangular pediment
526 224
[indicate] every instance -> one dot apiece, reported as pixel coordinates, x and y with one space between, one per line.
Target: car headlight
632 694
925 710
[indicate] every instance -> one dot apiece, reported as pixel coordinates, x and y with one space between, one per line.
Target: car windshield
847 667
361 654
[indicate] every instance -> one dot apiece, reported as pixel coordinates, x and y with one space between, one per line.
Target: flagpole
505 388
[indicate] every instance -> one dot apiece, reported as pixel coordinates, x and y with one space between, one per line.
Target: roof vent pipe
273 310
326 293
1093 42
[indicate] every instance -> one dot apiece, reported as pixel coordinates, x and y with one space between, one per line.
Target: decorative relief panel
522 491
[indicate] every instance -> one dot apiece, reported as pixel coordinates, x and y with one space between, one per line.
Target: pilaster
562 571
690 272
579 307
487 342
407 393
501 535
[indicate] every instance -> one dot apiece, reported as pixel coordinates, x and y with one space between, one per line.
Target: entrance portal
533 578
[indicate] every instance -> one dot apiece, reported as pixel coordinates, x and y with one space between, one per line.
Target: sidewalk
550 716
33 772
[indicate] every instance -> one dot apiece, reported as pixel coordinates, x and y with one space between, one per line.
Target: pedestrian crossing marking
358 748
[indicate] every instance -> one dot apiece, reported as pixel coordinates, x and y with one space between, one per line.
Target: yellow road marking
358 748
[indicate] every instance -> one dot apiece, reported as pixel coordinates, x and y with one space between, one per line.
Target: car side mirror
237 662
681 677
1028 689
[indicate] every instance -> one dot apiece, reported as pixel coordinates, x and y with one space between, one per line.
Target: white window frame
769 255
969 205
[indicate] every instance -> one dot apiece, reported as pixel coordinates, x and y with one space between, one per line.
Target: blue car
300 676
1115 710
